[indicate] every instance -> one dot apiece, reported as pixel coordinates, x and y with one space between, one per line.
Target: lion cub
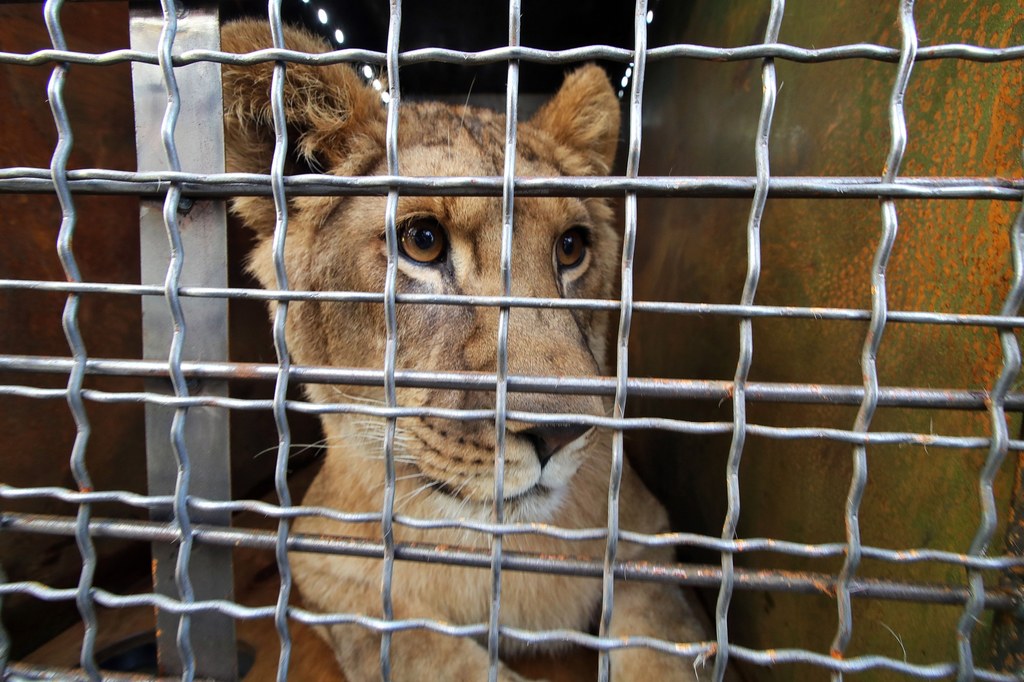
563 247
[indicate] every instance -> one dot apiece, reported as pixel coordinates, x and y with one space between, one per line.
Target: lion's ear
584 116
335 121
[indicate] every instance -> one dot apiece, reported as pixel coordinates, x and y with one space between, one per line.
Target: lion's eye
422 240
571 246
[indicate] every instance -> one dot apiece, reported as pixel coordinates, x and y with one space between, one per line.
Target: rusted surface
831 119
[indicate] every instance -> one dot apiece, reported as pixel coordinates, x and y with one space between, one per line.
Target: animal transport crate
814 345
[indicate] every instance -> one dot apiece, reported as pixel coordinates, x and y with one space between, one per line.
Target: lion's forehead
437 139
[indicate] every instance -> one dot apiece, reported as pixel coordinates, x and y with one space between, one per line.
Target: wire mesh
175 186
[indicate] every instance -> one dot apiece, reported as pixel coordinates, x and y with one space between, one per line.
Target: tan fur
336 244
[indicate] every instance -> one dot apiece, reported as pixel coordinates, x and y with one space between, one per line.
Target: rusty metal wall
831 119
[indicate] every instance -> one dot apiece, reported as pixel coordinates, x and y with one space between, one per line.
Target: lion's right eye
423 240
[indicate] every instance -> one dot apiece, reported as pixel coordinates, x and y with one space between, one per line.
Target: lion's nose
549 439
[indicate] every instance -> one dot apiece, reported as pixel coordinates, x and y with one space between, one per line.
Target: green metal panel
964 119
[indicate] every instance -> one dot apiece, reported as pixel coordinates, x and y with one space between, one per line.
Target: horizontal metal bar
959 399
693 575
661 307
23 672
783 51
670 539
680 426
155 184
769 658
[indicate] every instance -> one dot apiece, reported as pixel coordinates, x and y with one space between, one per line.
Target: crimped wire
174 268
873 339
501 360
996 455
955 399
867 51
679 574
284 442
661 307
455 414
625 319
766 658
746 333
391 332
669 539
69 320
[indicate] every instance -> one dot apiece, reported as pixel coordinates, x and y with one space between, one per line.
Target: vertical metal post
206 647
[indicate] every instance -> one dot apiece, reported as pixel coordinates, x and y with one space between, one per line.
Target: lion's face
562 248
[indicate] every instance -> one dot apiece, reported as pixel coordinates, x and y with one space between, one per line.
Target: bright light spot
650 15
377 84
305 2
629 72
385 97
625 82
367 71
322 16
620 94
339 37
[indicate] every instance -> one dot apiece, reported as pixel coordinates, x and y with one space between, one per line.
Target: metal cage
184 369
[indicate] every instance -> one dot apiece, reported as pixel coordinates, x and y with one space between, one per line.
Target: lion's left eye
571 247
423 240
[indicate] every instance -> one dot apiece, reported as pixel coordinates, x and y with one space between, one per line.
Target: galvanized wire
501 359
277 169
948 398
1009 374
155 183
628 423
427 55
873 339
181 520
69 320
625 318
391 333
746 333
767 658
658 307
801 582
669 539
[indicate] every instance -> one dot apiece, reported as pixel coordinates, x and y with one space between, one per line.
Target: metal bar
501 359
277 168
390 333
670 539
185 244
23 672
761 51
801 582
699 389
746 334
658 307
873 339
636 92
69 319
155 184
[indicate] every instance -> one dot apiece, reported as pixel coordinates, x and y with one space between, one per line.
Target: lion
563 247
